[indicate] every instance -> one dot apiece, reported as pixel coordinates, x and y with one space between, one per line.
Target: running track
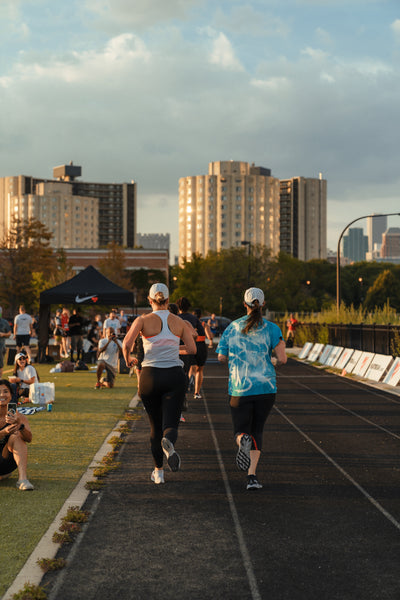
326 525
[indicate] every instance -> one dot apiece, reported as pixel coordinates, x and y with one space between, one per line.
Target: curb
31 572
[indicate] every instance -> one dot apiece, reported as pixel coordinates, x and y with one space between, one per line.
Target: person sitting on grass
15 434
23 376
109 349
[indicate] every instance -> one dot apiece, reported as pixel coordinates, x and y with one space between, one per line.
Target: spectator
99 322
15 434
93 337
113 322
23 330
123 319
108 352
213 324
23 376
5 332
75 327
291 325
65 341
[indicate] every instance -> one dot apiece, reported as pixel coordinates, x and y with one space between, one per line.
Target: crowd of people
167 348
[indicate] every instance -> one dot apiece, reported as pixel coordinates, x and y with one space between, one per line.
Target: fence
380 339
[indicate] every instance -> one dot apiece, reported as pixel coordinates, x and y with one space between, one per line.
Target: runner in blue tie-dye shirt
247 345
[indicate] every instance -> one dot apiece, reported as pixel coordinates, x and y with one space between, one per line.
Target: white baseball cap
254 294
158 288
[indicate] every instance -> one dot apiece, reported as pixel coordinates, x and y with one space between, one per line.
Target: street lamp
338 252
248 244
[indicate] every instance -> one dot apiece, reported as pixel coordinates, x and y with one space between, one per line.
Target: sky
154 90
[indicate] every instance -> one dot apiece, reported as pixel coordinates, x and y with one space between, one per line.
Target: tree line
215 283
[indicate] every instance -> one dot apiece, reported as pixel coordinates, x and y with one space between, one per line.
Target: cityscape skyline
153 91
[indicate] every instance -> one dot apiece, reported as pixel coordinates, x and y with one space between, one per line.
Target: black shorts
22 340
7 465
201 355
249 414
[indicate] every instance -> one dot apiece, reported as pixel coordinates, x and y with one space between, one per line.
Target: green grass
64 444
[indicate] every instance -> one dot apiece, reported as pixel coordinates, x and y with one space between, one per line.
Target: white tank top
162 350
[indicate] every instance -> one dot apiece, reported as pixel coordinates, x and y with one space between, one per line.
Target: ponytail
254 318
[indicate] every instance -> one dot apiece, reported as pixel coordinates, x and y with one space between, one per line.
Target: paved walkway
326 525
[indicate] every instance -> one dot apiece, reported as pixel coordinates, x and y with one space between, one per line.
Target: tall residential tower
235 202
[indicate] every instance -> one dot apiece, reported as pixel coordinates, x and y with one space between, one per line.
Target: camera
12 408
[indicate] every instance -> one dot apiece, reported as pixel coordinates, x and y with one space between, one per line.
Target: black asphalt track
325 526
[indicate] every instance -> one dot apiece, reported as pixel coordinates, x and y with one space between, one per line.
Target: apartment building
79 214
303 217
234 202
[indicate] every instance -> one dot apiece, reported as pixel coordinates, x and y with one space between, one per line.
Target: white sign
353 361
315 352
378 366
344 358
305 350
325 354
393 376
334 355
363 363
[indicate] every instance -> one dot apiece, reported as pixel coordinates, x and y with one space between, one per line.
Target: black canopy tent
87 287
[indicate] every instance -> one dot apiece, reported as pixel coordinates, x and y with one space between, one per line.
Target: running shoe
182 419
173 458
98 385
253 483
197 397
157 476
243 453
24 485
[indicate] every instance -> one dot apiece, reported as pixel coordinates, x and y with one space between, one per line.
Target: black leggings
162 392
249 414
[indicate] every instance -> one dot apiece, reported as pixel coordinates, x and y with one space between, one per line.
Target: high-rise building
303 217
153 241
391 243
376 227
355 245
235 202
79 214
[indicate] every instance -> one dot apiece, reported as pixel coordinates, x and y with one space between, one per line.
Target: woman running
162 383
247 345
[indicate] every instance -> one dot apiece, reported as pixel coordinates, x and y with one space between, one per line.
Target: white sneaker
158 476
24 485
173 458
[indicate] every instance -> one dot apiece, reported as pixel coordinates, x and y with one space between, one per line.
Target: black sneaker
173 458
253 483
243 454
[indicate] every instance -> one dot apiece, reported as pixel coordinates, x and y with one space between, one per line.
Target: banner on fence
355 357
334 356
315 352
363 363
325 354
305 350
378 367
344 358
393 376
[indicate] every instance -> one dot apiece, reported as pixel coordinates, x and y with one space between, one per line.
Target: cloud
223 55
138 14
395 27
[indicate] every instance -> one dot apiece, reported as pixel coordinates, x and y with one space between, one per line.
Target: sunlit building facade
235 202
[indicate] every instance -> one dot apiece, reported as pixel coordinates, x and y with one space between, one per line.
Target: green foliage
30 592
112 265
51 564
384 291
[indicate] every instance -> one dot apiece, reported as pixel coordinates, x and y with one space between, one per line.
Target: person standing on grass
108 351
23 330
5 332
15 434
247 346
162 383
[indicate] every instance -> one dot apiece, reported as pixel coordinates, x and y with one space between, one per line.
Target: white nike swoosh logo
78 299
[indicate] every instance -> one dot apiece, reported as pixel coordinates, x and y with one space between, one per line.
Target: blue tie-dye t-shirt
250 369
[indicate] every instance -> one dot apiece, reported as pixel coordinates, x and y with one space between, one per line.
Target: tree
113 265
25 250
385 290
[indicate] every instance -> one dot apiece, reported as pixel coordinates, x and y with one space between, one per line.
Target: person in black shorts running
162 383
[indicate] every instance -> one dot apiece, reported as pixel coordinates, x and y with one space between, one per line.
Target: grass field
64 444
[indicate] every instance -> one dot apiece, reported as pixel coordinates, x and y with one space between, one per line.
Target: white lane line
395 435
372 500
255 593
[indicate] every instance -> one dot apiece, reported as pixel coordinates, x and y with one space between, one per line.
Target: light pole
338 252
248 244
